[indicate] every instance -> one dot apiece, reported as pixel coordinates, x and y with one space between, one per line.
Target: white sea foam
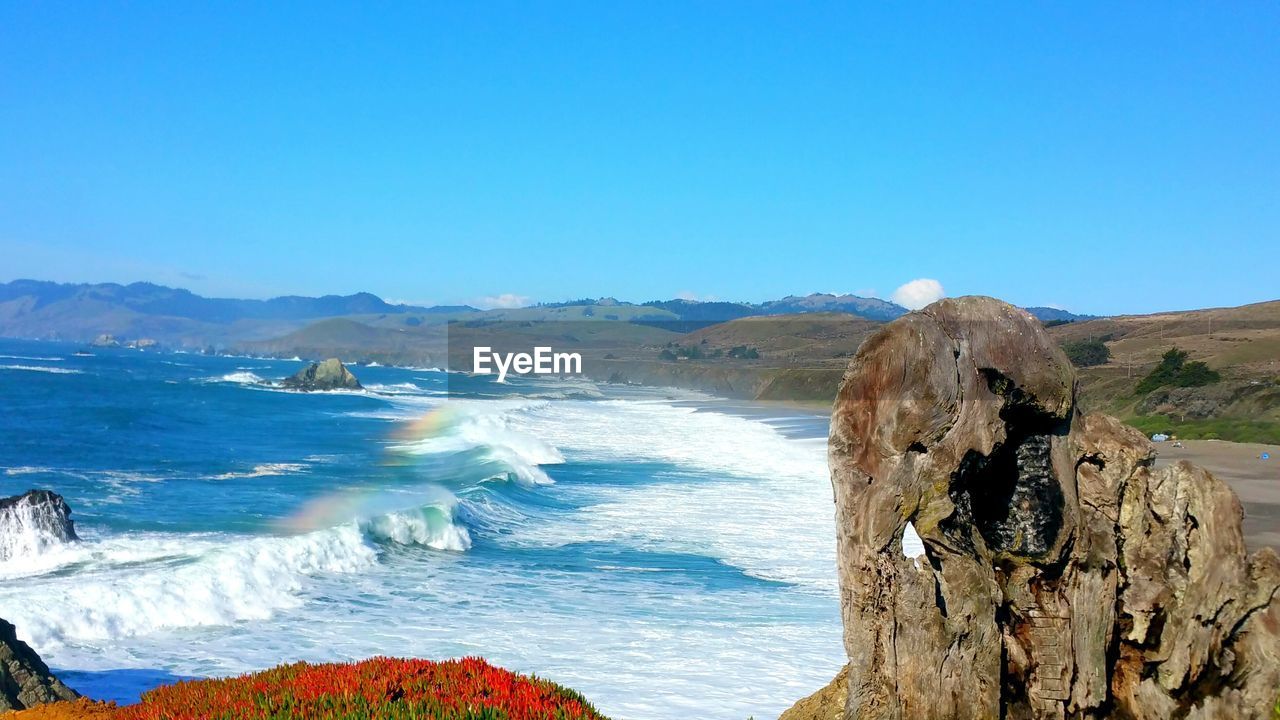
27 530
140 585
26 470
264 470
404 388
242 377
31 358
41 368
768 512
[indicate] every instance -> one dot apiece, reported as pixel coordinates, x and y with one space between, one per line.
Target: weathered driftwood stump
1063 576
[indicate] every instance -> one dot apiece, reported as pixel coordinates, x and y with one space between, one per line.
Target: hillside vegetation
1199 374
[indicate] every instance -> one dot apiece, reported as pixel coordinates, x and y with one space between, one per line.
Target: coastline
688 453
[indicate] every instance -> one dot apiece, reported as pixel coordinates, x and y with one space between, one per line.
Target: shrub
744 352
384 688
1087 353
1195 374
1176 371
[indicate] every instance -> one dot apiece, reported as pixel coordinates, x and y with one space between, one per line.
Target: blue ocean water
668 554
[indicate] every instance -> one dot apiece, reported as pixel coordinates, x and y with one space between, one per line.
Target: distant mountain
177 317
41 309
1058 315
151 299
869 308
699 311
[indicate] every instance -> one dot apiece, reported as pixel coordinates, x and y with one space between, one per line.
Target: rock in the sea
1064 576
327 375
33 521
25 681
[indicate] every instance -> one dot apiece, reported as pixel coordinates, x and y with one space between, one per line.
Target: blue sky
1117 157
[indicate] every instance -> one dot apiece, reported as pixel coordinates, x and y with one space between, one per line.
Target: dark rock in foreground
34 518
25 681
328 375
1064 576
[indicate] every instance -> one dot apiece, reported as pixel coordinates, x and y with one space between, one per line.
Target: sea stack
32 521
25 681
328 375
1064 575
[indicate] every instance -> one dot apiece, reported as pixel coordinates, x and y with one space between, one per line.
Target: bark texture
1064 577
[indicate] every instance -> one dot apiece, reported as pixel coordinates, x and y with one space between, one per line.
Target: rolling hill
1242 344
794 348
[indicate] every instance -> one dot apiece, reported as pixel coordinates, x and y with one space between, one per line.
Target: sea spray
33 523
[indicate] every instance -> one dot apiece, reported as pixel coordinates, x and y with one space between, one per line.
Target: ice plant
383 688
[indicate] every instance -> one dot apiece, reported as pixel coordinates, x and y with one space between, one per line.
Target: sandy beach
1255 480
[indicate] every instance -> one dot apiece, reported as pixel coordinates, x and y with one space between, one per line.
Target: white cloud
866 293
503 301
918 293
693 296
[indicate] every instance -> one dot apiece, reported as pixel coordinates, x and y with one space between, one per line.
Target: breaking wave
484 442
142 584
242 377
431 526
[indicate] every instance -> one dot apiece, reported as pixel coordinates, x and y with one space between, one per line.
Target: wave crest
242 377
145 584
431 526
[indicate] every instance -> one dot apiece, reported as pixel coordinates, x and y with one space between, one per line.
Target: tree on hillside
1196 374
1087 353
1175 371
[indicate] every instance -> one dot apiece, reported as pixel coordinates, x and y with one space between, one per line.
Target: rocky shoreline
25 681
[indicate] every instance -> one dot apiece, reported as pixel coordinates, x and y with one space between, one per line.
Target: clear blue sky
1106 157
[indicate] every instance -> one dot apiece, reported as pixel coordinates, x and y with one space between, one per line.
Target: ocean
666 553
